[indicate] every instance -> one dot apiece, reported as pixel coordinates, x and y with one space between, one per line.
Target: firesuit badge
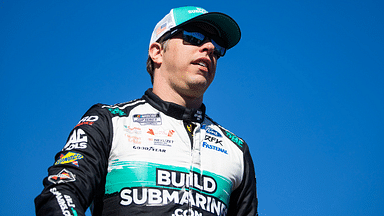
147 119
70 157
62 177
117 111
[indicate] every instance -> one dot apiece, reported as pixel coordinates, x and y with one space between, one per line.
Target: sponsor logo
190 128
117 111
234 138
198 10
175 179
70 157
132 130
183 212
162 142
64 203
206 145
211 131
213 139
175 188
168 133
154 196
78 140
147 119
88 120
151 149
62 177
133 139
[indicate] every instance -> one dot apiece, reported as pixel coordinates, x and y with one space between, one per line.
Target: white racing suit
139 158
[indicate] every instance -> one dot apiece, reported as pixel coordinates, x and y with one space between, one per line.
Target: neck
180 97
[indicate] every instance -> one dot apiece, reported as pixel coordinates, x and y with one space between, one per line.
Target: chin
199 80
198 87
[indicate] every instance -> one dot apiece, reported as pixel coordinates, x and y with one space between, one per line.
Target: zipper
195 171
189 127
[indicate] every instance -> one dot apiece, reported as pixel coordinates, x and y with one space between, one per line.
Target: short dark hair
150 67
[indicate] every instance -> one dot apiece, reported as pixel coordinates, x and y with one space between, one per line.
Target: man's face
189 69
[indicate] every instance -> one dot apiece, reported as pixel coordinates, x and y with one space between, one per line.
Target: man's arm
243 201
78 173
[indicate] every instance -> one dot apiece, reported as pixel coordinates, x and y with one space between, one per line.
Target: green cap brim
228 29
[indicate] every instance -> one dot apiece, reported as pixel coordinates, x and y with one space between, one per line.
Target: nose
207 46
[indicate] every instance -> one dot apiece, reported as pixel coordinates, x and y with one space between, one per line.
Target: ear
156 53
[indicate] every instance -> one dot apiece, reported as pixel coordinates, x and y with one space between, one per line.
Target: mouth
204 63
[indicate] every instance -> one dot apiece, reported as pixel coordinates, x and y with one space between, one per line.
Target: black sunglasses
197 38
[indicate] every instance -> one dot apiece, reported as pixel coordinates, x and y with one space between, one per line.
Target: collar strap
175 110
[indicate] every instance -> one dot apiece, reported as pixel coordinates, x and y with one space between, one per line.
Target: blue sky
304 88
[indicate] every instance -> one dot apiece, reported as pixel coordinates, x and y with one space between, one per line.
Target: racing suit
138 158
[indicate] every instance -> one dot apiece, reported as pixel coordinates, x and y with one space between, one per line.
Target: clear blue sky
304 88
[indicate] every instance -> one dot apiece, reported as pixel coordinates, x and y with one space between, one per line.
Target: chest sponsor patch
147 119
132 130
162 142
149 149
164 133
211 131
133 139
215 148
213 139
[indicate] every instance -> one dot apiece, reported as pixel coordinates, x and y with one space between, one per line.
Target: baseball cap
228 29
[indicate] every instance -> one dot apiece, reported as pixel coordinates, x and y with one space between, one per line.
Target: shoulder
119 109
239 142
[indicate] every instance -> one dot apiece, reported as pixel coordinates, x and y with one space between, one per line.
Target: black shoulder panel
123 109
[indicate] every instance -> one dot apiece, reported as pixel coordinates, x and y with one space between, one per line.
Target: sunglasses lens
197 38
219 49
194 38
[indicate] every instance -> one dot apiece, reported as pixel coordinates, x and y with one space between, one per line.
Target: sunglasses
197 38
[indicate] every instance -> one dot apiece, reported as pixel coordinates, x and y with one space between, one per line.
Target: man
160 154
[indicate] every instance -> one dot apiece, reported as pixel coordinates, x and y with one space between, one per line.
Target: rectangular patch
147 119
